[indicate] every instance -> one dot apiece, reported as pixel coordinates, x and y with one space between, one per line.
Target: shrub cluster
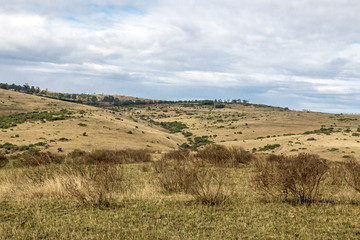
14 119
32 159
9 147
3 160
352 173
297 176
92 185
111 156
196 143
181 154
204 183
225 157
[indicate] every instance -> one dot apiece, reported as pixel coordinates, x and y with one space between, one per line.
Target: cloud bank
298 54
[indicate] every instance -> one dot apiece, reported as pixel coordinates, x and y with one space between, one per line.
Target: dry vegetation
177 171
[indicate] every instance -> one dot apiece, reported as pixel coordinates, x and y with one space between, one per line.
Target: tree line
111 101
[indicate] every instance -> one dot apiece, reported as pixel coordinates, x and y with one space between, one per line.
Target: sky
300 54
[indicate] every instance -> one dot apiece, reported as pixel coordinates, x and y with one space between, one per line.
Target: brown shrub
3 160
92 185
77 153
225 157
208 186
32 159
177 155
204 183
174 176
118 157
40 174
352 173
299 176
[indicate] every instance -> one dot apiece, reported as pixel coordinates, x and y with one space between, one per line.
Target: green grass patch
269 147
18 118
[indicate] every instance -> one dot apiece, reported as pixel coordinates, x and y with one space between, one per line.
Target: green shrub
18 118
173 127
269 147
196 143
63 139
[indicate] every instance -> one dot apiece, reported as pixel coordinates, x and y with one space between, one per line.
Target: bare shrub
92 185
76 153
204 183
181 154
135 156
145 167
32 159
3 160
225 157
40 174
174 176
299 176
352 173
208 186
117 157
336 174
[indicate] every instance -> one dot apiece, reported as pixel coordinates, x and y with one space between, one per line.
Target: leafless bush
225 157
40 174
336 174
32 159
3 160
352 173
204 183
114 157
299 176
174 176
208 186
92 185
177 155
77 153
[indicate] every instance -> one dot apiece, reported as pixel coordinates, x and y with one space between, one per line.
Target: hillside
104 129
257 128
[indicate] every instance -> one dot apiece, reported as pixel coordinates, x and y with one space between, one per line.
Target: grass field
139 208
124 181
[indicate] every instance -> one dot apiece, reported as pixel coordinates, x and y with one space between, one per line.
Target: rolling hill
163 126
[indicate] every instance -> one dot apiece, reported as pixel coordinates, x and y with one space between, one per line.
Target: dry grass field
83 172
104 129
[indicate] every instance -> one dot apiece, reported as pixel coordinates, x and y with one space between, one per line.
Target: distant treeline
111 101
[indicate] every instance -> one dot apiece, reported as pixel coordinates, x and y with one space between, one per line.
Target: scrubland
176 171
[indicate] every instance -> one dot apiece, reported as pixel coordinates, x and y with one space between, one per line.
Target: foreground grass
140 209
169 219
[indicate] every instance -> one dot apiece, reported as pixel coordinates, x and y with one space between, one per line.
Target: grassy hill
257 128
88 128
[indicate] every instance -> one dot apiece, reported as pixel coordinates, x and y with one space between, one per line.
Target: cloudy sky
299 54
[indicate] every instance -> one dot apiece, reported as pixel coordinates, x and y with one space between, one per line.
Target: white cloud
305 47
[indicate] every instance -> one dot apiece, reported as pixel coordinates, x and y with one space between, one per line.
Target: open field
113 173
62 201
